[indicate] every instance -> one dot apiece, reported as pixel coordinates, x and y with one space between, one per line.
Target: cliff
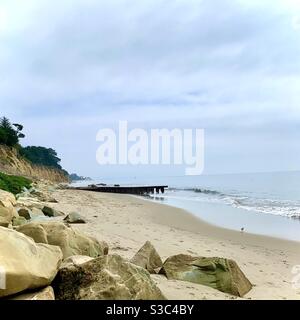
12 163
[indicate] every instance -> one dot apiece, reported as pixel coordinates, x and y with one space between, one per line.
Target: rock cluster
43 258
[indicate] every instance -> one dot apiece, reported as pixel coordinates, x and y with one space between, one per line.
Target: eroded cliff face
12 163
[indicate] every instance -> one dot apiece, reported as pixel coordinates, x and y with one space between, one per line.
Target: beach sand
127 222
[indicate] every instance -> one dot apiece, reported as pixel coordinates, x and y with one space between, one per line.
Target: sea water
261 203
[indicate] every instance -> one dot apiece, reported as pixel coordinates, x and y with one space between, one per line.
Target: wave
286 208
198 190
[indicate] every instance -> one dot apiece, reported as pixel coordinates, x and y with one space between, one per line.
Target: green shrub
13 184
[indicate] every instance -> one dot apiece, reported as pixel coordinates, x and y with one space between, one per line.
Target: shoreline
126 222
192 222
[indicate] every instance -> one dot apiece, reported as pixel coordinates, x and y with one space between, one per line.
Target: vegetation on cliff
41 156
13 184
10 134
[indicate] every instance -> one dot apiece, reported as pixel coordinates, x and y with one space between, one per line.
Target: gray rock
50 212
74 217
218 273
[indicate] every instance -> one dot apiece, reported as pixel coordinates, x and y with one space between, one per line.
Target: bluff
12 163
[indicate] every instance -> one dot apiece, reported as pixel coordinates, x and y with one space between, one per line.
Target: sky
69 68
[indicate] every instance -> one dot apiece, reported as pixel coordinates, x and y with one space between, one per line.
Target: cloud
219 64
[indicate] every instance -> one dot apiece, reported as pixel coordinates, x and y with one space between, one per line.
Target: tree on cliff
41 156
10 133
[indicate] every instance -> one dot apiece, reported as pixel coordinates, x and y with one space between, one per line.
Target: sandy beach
127 222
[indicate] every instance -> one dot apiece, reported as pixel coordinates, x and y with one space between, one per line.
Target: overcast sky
232 67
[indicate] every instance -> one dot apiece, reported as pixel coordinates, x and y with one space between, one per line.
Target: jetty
139 190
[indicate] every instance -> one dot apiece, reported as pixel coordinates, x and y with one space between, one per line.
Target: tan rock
148 258
36 212
19 221
29 202
106 278
69 240
7 199
25 265
43 294
6 216
218 273
75 260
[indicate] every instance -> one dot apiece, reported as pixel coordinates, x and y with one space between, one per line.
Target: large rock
43 294
74 217
36 212
105 278
29 202
25 213
218 273
148 258
6 216
69 240
50 212
7 199
24 264
19 221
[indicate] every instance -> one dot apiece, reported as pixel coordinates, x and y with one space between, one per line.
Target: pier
140 190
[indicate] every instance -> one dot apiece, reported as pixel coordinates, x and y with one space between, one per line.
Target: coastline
126 222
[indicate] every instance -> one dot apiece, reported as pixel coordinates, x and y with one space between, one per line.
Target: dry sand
126 222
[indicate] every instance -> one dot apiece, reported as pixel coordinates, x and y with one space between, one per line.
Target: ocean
261 203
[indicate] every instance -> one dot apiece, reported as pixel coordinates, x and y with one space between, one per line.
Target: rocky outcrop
218 273
148 258
74 217
69 240
24 264
43 294
105 278
12 163
50 212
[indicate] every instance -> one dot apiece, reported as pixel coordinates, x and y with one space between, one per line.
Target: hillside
12 163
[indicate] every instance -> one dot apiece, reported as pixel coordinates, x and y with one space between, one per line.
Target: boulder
43 294
42 196
69 240
75 260
36 212
50 212
218 273
30 203
74 217
25 265
105 278
25 213
7 199
148 258
19 221
6 216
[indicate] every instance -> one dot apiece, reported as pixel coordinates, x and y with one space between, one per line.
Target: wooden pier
140 190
